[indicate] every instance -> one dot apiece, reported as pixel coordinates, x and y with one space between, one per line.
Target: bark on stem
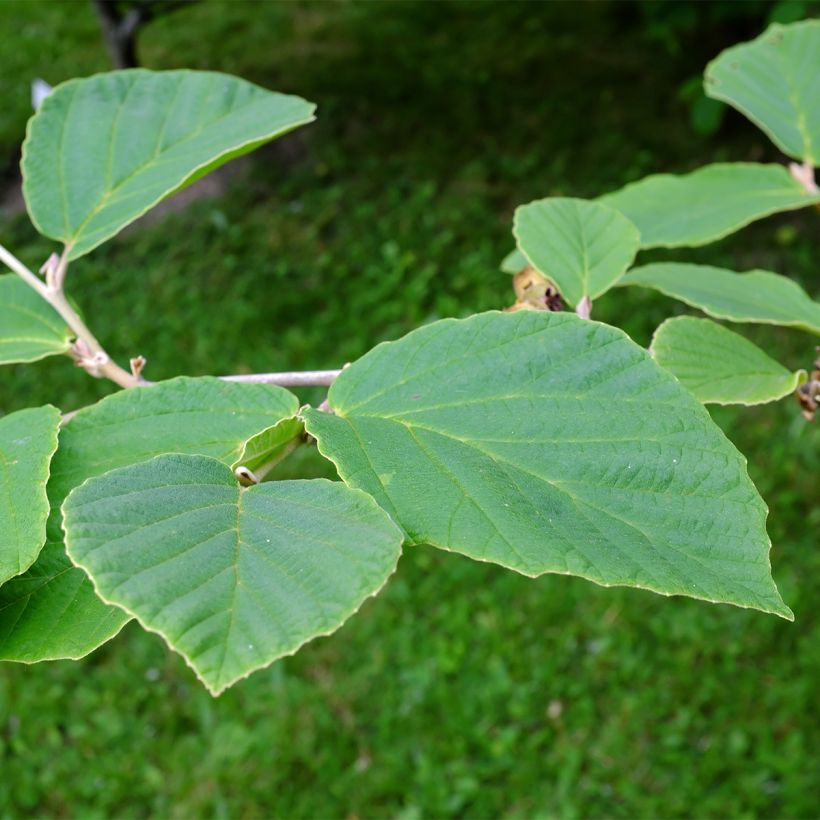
304 378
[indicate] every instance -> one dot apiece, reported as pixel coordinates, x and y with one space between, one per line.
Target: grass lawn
463 690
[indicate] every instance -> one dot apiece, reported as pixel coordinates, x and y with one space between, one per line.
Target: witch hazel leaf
551 444
584 247
103 150
719 366
28 440
231 578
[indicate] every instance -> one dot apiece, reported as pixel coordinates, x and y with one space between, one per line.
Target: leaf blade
774 80
158 132
693 209
719 366
30 329
756 296
584 247
553 424
253 574
28 441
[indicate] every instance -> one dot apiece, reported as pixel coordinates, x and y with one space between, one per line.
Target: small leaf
697 208
775 81
51 611
102 151
28 439
584 247
548 443
30 329
267 448
757 296
718 365
232 579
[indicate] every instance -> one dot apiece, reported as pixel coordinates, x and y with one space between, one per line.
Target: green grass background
463 690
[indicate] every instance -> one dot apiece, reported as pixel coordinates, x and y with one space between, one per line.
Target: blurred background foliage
463 690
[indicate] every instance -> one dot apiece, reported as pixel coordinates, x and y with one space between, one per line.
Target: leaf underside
719 366
697 208
232 579
775 81
757 296
546 443
102 151
30 329
51 611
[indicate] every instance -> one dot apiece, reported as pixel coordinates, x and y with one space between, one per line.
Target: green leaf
718 365
584 247
697 208
232 579
514 262
28 439
102 151
30 329
757 296
547 443
51 611
775 81
266 449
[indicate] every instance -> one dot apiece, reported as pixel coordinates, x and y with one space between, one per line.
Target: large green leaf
718 365
756 296
548 443
584 247
232 579
28 439
102 151
30 329
775 81
702 206
51 611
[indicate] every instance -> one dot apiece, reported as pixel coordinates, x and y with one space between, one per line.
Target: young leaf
718 365
548 443
30 329
757 296
51 611
775 81
697 208
28 439
584 247
232 579
265 449
102 151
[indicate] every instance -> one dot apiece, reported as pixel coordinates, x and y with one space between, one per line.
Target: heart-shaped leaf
102 151
775 81
697 208
584 247
28 439
547 443
718 365
51 611
232 579
30 329
756 296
